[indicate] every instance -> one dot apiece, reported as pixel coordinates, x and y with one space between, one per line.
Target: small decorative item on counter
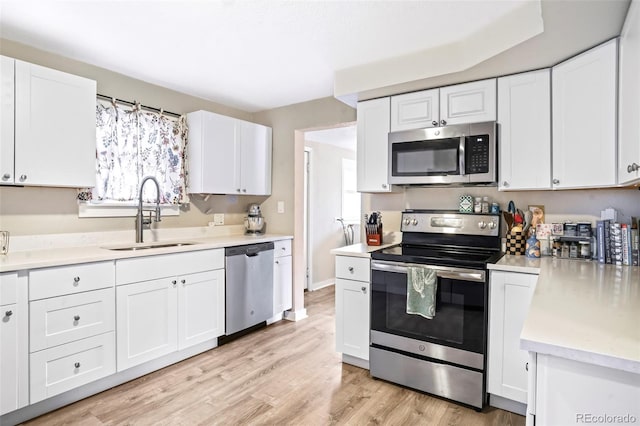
583 229
516 243
533 246
495 208
477 205
585 249
4 242
373 229
570 230
485 205
557 229
466 204
557 248
573 250
565 250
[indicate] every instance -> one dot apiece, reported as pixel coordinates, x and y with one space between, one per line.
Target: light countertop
363 250
583 311
30 259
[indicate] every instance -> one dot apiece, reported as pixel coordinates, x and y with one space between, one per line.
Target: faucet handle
158 214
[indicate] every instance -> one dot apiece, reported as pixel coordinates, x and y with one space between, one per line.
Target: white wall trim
298 315
322 284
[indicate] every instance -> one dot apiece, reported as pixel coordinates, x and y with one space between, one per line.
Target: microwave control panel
477 154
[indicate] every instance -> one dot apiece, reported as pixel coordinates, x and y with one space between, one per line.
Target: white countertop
583 311
30 259
363 250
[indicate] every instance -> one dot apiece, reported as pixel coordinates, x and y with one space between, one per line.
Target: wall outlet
218 219
280 206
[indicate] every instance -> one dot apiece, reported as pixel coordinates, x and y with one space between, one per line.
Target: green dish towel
421 291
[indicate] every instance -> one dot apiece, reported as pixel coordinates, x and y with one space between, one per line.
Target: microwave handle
461 157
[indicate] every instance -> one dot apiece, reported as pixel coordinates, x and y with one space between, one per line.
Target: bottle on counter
573 250
477 205
484 207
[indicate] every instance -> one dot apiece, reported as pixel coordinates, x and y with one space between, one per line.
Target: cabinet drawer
282 248
8 288
64 319
58 281
167 265
353 268
65 367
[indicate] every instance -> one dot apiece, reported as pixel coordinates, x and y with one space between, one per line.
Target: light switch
280 206
218 219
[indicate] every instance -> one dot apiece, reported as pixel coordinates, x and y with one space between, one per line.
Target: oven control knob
414 222
407 222
492 225
482 224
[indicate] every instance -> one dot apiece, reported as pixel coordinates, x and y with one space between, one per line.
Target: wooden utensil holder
376 238
516 243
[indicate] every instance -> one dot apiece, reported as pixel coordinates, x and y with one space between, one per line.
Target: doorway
332 205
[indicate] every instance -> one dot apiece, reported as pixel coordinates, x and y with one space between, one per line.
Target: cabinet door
146 318
373 145
200 307
415 110
9 358
629 107
509 298
468 103
55 127
282 284
255 158
524 118
352 318
6 119
584 119
213 154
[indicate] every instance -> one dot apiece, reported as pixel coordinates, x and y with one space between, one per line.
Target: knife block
375 239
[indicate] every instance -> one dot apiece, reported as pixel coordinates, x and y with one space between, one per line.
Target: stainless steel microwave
456 154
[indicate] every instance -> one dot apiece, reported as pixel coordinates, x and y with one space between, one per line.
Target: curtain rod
110 98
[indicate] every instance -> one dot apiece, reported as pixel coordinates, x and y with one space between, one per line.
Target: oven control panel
450 223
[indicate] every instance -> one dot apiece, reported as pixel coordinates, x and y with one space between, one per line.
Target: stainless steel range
444 355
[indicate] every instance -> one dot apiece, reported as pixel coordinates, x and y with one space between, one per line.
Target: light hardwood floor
285 374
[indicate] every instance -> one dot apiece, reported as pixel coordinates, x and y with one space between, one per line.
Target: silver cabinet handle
351 269
6 176
526 367
434 123
238 190
23 178
364 289
505 183
632 168
77 365
8 313
384 185
244 190
443 122
174 282
283 248
556 181
183 281
76 318
76 280
277 262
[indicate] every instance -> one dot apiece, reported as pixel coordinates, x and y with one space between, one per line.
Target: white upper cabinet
473 102
629 106
584 119
415 110
228 156
7 99
524 126
373 145
55 127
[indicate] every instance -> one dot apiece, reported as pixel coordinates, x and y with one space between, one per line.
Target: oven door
457 331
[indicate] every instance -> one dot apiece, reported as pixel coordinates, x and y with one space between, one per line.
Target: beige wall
325 205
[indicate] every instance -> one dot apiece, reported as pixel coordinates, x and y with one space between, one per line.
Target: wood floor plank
285 374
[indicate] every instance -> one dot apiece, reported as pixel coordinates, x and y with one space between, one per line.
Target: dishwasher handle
249 250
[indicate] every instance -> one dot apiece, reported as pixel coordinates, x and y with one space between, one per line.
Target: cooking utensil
528 217
508 218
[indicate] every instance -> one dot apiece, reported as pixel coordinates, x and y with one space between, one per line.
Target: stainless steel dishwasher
249 286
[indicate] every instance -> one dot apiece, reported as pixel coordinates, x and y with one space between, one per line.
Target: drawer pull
8 313
183 281
76 318
277 262
76 280
351 269
283 248
77 365
364 289
526 366
174 282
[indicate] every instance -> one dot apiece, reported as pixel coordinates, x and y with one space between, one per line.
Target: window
131 144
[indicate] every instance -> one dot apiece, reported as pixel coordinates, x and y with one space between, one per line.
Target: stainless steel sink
148 246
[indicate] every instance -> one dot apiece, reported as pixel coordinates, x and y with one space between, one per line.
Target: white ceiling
342 137
250 54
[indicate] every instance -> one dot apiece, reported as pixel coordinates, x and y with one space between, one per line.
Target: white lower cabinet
282 277
352 307
509 298
62 368
161 315
14 342
147 318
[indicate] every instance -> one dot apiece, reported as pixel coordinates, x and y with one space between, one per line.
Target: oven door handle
441 271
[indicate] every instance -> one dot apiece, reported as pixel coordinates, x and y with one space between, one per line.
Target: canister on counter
570 229
495 208
583 229
585 249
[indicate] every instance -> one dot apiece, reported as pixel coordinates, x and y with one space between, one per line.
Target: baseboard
358 362
275 318
322 284
507 404
298 315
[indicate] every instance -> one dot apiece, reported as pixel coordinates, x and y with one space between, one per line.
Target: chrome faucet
140 220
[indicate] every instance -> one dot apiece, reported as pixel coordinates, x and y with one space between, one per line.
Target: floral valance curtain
131 144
